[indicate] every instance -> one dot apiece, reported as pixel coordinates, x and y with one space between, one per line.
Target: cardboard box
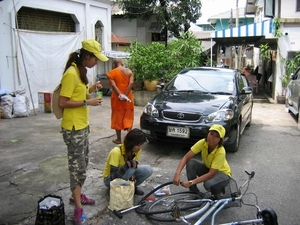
41 107
47 97
41 97
48 108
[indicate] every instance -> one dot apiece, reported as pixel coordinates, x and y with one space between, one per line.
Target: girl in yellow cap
75 124
214 171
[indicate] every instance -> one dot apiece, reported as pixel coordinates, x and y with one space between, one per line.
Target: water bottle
84 220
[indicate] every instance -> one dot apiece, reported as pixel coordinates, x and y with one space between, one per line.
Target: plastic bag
121 194
7 106
163 191
21 107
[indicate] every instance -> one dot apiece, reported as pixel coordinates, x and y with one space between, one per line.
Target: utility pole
237 48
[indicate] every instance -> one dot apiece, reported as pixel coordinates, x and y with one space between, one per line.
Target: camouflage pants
77 142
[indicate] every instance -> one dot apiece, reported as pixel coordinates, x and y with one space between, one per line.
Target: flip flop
116 142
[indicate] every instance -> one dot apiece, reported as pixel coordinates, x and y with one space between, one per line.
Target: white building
37 37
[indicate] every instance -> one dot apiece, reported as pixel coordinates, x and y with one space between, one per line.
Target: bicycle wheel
269 217
172 207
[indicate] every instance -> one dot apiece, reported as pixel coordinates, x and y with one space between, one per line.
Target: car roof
206 68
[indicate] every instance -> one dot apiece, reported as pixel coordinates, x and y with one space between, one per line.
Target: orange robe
122 113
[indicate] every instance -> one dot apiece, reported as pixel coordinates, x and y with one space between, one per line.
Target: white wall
43 65
288 9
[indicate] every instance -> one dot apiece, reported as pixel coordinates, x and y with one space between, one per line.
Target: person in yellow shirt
75 124
122 161
214 171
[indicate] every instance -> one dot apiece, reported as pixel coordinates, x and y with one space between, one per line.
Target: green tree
174 15
154 61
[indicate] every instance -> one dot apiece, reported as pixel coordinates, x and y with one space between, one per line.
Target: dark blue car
195 99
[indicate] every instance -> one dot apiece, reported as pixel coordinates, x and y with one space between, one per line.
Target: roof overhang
256 33
117 39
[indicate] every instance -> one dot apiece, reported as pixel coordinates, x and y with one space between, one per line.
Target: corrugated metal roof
116 39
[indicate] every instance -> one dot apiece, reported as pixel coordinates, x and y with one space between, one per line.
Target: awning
207 44
245 34
155 28
117 54
116 39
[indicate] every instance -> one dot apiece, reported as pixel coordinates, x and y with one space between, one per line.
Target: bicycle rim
172 207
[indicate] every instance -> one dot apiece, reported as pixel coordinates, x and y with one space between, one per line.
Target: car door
294 87
246 100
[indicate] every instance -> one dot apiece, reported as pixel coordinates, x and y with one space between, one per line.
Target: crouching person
122 161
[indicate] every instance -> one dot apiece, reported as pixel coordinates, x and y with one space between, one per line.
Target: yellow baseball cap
94 47
219 128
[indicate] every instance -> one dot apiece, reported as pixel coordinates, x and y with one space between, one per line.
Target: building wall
85 13
288 9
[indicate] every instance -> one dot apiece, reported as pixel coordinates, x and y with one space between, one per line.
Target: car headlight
150 110
221 115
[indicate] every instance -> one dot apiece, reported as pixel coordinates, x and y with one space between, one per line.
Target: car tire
151 140
234 147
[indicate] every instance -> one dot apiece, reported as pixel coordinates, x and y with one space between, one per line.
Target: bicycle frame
213 207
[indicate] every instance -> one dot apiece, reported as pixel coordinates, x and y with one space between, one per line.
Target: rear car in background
195 99
292 96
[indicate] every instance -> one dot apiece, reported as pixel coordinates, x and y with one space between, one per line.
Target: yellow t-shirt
76 90
116 158
216 159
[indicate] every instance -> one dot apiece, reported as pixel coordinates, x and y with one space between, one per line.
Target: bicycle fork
217 207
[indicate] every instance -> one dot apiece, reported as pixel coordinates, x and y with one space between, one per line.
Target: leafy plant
291 65
155 61
148 61
276 24
264 51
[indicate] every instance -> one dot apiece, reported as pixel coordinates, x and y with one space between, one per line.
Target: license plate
180 132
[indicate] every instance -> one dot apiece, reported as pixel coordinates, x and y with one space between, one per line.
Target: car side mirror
246 90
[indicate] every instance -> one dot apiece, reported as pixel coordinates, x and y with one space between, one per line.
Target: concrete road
33 164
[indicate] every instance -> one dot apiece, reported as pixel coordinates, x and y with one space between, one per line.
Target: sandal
116 142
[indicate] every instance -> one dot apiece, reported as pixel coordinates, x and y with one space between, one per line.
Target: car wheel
234 147
151 140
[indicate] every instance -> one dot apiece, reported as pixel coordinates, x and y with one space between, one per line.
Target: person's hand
185 184
98 85
123 97
94 101
132 164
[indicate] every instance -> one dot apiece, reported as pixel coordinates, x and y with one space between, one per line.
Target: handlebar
251 175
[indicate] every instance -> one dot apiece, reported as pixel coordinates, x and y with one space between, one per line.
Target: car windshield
207 81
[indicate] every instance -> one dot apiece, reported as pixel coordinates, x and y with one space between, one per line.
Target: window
269 8
298 6
159 36
43 20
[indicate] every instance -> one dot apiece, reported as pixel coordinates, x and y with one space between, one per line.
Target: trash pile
14 104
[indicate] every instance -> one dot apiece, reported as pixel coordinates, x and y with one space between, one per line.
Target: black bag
50 211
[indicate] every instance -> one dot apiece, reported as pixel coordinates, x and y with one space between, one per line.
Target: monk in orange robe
122 106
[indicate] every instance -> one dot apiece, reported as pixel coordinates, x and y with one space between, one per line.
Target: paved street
33 164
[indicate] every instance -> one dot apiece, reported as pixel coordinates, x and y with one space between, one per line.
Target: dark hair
221 142
133 138
78 57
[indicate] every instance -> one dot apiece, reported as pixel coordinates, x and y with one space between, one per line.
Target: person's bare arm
131 79
181 165
65 102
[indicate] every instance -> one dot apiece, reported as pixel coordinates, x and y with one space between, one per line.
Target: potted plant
290 67
147 62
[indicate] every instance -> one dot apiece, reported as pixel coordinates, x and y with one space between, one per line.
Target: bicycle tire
164 209
269 217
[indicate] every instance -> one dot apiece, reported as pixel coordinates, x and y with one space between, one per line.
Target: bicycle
185 206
